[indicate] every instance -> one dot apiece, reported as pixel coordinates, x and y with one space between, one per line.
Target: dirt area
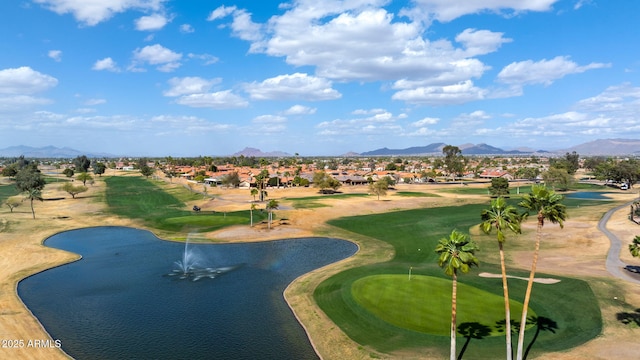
577 250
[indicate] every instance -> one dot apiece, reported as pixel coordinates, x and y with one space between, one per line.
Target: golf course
391 300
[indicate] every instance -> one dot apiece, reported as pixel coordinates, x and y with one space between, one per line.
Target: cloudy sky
208 77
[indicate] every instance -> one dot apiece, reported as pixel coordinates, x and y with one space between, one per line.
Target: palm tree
271 205
456 254
502 217
254 192
547 205
634 247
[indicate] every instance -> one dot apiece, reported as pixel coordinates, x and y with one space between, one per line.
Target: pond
588 195
118 302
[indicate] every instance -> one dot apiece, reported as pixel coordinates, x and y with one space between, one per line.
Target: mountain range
436 148
48 152
604 147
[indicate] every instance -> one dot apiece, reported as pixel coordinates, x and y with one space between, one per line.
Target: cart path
614 265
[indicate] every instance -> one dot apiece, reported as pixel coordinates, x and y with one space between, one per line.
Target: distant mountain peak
253 152
608 147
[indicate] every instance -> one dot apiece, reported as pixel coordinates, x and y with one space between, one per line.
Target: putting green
423 303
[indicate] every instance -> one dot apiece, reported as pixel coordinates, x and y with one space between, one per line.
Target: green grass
138 198
414 234
7 191
456 188
311 202
302 204
328 196
415 194
419 302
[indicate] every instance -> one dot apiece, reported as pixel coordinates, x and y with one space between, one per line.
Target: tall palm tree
547 205
502 217
271 205
456 254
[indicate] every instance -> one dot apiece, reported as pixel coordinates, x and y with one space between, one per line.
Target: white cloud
480 42
478 114
106 64
24 80
361 41
93 102
20 102
612 113
619 102
56 55
542 72
425 121
190 85
368 111
221 12
170 125
242 26
186 29
447 10
623 97
166 59
442 95
85 110
300 110
269 119
217 100
206 58
268 124
151 22
293 87
92 12
372 122
581 3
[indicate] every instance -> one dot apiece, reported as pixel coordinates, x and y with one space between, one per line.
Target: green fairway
417 303
7 191
311 202
413 234
414 194
138 198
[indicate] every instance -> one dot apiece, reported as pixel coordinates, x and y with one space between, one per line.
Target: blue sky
188 78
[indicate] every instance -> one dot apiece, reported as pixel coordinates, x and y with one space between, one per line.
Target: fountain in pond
191 266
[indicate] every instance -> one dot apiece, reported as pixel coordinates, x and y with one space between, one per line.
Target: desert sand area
578 250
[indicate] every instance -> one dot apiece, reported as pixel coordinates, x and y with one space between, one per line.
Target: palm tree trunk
527 296
507 308
453 316
251 215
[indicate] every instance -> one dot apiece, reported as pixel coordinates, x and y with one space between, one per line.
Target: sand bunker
538 280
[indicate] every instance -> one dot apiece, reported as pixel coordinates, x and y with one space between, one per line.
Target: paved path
615 266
